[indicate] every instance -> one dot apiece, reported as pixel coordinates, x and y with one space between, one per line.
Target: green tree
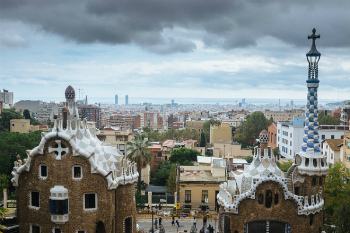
4 181
251 128
206 128
249 158
329 120
26 114
6 116
34 121
342 216
161 176
171 182
284 166
277 152
140 202
184 156
11 145
50 123
337 186
139 153
203 142
146 129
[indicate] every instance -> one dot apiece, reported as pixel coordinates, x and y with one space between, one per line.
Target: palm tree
139 153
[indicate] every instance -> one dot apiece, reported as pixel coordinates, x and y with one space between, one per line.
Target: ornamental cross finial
59 150
313 36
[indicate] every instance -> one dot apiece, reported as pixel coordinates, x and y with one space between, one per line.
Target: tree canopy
184 156
26 114
327 119
161 176
139 153
11 145
251 128
337 187
6 116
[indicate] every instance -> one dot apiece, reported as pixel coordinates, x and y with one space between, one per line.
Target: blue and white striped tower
311 137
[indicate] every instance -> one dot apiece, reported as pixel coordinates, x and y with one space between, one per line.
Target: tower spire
311 138
310 161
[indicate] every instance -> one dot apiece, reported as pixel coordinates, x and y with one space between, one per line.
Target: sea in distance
167 100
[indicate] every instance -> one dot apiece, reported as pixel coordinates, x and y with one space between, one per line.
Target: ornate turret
70 94
70 109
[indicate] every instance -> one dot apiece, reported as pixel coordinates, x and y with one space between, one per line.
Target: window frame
96 202
31 228
203 196
187 194
56 228
40 171
81 172
31 200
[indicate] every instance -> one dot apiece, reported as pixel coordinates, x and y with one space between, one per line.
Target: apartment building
331 150
91 113
195 125
290 135
284 116
199 185
220 133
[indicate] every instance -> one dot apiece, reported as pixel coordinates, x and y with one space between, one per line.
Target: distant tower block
116 99
126 100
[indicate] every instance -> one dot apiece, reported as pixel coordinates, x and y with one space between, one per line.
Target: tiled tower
310 141
310 161
265 199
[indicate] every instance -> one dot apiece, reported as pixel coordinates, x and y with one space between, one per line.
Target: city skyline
172 51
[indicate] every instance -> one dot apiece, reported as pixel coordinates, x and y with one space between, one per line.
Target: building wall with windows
221 133
199 185
20 125
283 116
196 125
72 182
331 150
290 135
272 130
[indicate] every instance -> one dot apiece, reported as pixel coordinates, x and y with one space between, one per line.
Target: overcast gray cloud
223 24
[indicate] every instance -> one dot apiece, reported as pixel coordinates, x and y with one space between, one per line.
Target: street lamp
313 56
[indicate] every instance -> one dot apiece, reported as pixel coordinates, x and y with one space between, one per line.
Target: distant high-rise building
126 100
243 101
116 99
172 102
7 98
291 103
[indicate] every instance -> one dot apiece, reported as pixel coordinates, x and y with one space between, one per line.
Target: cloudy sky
173 48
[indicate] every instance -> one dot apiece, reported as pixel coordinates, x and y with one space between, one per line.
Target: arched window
268 200
321 181
261 198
